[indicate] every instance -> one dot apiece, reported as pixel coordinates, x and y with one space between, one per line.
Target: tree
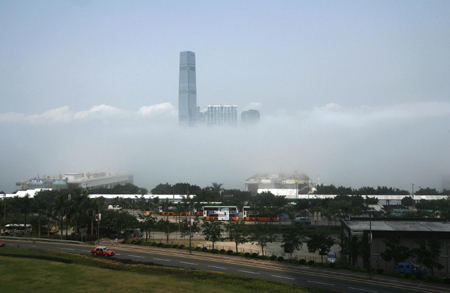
59 206
167 227
395 251
24 206
407 201
428 253
40 207
292 240
212 230
262 235
320 242
147 223
237 232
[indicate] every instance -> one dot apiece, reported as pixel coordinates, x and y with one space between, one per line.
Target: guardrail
42 239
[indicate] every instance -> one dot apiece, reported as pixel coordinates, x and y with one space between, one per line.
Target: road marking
282 277
189 263
249 272
135 256
218 267
161 259
362 289
321 283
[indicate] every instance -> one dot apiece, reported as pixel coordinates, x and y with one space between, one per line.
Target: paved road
341 281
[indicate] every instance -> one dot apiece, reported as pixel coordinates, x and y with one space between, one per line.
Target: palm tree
24 206
40 206
59 209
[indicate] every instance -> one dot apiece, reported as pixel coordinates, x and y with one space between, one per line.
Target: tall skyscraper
187 91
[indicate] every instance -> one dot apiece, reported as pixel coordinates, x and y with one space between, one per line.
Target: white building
221 115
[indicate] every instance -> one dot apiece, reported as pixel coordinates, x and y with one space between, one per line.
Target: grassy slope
20 271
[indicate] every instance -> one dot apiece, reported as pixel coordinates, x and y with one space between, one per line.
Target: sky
354 92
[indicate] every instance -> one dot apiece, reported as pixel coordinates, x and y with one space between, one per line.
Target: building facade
221 115
250 117
290 185
187 91
77 180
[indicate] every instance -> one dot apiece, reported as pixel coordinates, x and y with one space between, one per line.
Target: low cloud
99 111
163 108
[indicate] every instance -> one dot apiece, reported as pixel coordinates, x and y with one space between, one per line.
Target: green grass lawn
45 271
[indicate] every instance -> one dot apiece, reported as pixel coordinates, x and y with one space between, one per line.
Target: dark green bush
273 257
198 248
181 246
310 262
175 246
447 280
223 251
380 271
167 246
154 244
254 255
280 258
215 251
159 244
332 265
247 254
204 249
265 257
229 252
302 261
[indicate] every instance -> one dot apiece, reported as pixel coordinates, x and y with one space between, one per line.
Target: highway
324 278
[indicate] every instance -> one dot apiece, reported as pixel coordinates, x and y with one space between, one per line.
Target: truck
410 268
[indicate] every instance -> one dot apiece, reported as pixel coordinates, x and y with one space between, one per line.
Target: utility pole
412 195
370 245
4 212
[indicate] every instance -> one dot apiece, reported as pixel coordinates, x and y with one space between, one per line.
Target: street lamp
4 212
412 195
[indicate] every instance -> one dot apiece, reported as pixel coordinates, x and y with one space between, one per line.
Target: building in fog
282 184
221 115
77 180
250 117
187 90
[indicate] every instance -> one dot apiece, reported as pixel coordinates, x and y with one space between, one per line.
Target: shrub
181 246
273 257
198 248
204 249
380 271
247 254
175 246
223 251
254 255
332 265
167 246
154 244
215 251
447 280
159 244
310 262
229 252
407 276
280 258
302 261
237 253
263 257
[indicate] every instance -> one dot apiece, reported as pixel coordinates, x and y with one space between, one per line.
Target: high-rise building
187 91
221 115
249 117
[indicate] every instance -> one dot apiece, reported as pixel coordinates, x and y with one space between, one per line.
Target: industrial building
290 185
408 231
88 180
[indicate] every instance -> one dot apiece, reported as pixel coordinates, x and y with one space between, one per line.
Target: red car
102 250
2 244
